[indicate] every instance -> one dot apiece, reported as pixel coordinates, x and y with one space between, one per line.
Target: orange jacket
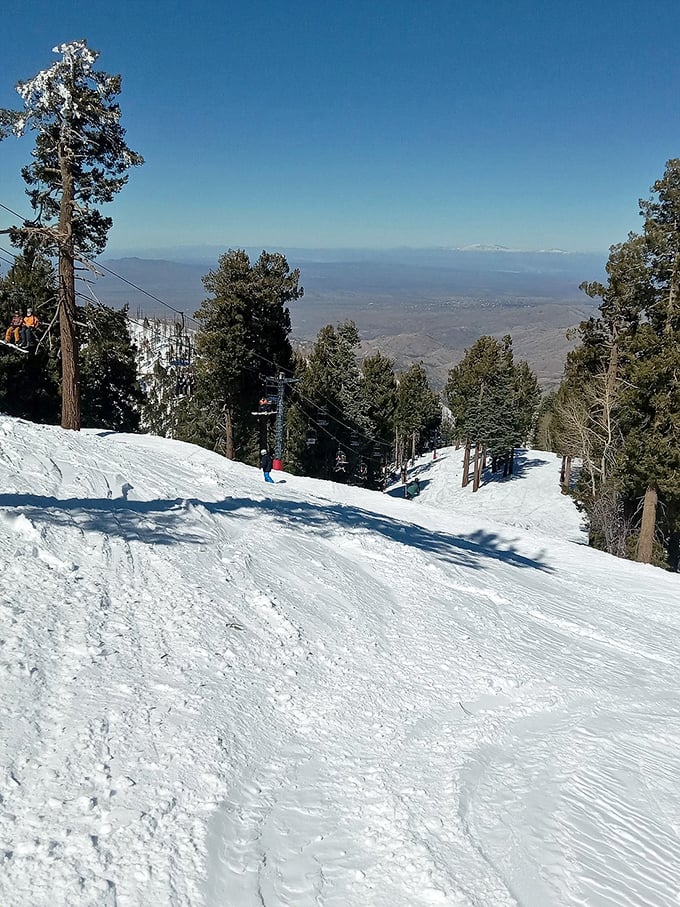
31 321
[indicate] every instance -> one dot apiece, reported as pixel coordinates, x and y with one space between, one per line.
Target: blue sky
394 123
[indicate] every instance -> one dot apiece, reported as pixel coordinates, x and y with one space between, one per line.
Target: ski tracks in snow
243 701
108 669
338 810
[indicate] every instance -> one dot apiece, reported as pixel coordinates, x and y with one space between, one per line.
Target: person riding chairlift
31 322
13 331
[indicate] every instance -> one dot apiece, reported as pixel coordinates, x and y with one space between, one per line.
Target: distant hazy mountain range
368 276
413 304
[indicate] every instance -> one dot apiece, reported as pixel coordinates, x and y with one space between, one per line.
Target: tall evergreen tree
79 161
470 380
418 412
651 401
330 405
618 403
526 400
161 408
380 390
493 400
244 333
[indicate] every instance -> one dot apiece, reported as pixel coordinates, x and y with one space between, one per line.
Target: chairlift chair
340 461
179 359
266 406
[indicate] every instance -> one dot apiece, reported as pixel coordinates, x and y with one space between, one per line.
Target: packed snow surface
217 692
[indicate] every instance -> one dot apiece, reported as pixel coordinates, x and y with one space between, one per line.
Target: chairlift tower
281 383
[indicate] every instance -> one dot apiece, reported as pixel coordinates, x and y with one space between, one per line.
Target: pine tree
379 388
29 385
329 402
619 405
652 398
418 411
493 400
526 400
80 160
244 334
380 392
469 381
112 397
160 408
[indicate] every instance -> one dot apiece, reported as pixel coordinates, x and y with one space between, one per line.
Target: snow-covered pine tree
165 372
112 397
80 160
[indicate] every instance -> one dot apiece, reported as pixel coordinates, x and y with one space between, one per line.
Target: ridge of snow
221 692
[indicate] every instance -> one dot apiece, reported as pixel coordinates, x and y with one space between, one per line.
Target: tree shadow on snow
522 466
467 550
156 522
167 522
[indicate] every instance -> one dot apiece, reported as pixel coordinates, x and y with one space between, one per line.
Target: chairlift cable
112 272
338 421
333 437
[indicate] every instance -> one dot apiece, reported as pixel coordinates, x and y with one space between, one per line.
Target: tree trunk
466 464
70 372
413 448
674 552
672 293
229 446
646 540
566 478
476 470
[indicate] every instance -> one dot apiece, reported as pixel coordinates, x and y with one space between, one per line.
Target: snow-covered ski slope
217 692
